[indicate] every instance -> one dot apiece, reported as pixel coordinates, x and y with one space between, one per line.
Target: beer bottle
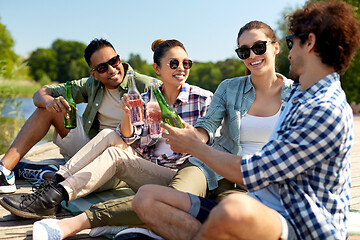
168 114
70 122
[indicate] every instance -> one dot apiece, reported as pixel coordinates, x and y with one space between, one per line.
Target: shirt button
89 122
282 100
96 104
295 100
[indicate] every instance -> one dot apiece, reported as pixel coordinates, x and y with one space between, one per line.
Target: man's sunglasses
290 39
258 48
103 67
174 64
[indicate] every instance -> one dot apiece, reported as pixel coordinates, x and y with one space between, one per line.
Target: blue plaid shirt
309 161
191 103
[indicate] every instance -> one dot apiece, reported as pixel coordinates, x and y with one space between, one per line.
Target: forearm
225 164
42 97
202 134
126 128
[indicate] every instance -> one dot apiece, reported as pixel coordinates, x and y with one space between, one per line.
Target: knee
234 209
143 200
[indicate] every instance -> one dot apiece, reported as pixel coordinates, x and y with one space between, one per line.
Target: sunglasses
174 64
103 67
258 48
290 39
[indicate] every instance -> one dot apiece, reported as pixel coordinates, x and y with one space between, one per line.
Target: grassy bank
18 88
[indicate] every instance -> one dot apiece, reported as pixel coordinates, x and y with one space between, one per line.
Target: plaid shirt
191 103
309 161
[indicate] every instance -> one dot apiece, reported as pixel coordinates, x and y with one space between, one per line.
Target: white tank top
255 132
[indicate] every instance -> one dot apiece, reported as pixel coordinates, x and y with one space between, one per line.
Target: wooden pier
13 227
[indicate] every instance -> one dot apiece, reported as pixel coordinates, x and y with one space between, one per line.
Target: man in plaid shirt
299 183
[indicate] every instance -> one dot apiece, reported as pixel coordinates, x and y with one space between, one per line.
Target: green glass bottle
70 122
168 114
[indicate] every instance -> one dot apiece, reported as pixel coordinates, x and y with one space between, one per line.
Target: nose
252 54
111 68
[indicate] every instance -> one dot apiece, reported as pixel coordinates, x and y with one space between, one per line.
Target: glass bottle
168 114
153 113
135 101
70 122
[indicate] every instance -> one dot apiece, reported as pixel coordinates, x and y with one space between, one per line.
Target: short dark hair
95 45
336 30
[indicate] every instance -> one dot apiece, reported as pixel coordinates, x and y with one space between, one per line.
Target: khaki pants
108 158
189 178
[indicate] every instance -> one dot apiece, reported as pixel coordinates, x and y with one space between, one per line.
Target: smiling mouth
256 63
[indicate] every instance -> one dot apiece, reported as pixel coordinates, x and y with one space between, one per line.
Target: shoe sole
8 189
22 214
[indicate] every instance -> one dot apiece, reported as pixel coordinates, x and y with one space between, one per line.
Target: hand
124 104
58 105
181 140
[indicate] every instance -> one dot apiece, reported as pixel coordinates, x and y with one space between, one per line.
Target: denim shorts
201 208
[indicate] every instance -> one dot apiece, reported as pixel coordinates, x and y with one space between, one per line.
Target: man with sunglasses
299 183
101 91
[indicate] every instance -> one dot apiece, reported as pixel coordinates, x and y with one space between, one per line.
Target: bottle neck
68 91
132 85
160 98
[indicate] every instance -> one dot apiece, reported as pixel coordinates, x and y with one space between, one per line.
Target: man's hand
57 105
181 140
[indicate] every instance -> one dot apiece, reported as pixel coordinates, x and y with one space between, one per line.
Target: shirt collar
184 93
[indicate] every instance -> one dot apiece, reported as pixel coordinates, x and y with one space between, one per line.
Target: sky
207 28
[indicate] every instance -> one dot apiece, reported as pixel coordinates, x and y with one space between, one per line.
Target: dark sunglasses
174 63
103 67
290 39
258 48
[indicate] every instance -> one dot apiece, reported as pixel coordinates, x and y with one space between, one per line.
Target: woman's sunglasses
103 67
258 48
174 64
290 39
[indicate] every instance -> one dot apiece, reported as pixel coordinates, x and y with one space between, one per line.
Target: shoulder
236 81
195 90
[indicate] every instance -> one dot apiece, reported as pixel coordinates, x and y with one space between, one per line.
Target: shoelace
38 191
30 174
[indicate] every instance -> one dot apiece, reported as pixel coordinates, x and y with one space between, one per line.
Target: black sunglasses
258 48
290 39
103 67
174 63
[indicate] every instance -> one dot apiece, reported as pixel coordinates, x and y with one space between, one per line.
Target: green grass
18 89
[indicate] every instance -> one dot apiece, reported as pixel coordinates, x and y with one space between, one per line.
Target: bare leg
241 217
73 225
34 129
165 211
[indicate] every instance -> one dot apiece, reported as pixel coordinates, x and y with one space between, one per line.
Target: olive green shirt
90 91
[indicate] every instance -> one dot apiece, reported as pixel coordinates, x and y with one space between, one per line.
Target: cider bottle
153 113
134 100
70 122
168 114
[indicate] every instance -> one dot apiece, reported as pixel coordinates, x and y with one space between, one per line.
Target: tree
66 53
8 58
43 61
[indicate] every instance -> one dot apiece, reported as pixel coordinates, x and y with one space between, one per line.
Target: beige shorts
73 141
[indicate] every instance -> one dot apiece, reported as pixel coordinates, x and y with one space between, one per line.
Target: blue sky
207 28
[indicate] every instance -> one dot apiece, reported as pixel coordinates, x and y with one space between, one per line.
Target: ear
277 48
310 42
92 73
156 69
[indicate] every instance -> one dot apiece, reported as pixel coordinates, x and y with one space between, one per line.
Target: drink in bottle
168 114
134 100
70 122
153 113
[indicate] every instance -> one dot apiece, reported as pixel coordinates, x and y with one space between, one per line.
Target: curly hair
336 30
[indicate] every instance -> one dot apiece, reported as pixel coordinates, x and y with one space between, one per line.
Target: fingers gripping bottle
134 99
153 113
168 114
70 122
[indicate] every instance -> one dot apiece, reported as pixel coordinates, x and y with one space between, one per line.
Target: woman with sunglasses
149 161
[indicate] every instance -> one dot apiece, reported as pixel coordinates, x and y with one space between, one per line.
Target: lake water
26 108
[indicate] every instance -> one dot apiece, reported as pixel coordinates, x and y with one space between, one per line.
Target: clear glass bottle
168 114
70 122
135 101
153 113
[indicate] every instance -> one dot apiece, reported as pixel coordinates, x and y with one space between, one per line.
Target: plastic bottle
70 122
168 114
135 101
